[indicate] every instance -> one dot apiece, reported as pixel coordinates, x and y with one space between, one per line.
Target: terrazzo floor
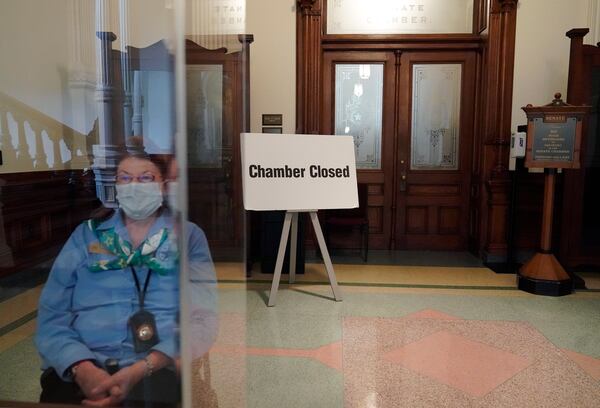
411 335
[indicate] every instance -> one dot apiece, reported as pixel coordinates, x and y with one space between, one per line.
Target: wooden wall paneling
475 218
308 66
498 82
39 212
572 193
528 212
573 249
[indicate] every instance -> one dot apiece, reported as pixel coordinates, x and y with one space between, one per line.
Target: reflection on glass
156 110
358 110
205 115
435 116
91 203
399 17
90 210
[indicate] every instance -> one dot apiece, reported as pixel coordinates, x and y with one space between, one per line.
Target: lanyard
141 294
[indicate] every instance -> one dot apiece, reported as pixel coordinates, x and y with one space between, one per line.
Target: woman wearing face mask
108 313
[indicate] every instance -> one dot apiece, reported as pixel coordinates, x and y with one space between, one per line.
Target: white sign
298 172
399 16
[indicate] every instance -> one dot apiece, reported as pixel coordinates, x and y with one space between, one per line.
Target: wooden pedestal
544 275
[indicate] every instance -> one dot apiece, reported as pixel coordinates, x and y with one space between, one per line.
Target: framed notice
554 135
272 119
278 130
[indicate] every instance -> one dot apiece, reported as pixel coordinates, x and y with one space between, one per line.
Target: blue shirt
83 315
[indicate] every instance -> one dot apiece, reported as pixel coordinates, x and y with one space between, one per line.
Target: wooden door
411 114
216 109
359 99
435 139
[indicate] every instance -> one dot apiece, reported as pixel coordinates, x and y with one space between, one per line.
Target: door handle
403 182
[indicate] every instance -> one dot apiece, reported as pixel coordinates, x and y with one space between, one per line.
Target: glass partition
108 289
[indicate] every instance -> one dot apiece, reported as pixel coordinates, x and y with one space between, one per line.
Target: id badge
143 330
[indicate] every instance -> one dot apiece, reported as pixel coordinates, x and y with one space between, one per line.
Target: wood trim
308 66
401 38
575 93
498 84
397 122
572 250
358 46
480 16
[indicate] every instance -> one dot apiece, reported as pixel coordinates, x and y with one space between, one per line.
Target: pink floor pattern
430 358
431 362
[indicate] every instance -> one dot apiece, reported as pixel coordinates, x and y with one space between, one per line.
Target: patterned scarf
144 255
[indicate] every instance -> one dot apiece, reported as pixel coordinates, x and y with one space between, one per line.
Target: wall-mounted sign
399 16
554 135
298 172
272 119
278 130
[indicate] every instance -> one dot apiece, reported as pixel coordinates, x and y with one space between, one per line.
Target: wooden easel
291 222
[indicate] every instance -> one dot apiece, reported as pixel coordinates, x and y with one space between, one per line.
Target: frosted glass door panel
358 110
435 116
399 16
205 115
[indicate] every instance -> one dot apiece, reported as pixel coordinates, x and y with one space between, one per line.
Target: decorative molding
81 78
503 6
508 5
498 85
306 6
308 66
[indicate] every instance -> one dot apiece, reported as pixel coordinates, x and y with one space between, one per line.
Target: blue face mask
139 200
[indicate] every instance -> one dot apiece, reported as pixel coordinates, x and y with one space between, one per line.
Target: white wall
542 49
34 55
272 61
48 52
48 61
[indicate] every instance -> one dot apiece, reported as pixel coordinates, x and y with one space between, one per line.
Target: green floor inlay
18 323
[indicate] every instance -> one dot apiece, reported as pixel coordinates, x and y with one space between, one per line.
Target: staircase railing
22 133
